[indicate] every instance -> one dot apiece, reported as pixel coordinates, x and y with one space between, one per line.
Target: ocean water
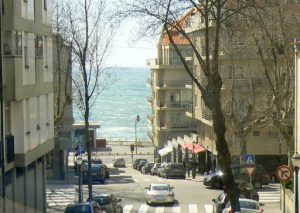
116 107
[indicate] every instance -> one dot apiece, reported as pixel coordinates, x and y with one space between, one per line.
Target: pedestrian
188 168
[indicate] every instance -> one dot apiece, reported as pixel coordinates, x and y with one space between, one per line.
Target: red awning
197 147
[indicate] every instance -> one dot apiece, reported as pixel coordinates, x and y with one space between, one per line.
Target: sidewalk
70 178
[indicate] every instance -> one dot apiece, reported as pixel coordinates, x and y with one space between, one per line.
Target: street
129 185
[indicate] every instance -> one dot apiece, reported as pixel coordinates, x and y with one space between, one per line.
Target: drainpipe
1 107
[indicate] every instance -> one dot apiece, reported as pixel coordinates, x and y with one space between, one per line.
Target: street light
137 119
296 164
79 162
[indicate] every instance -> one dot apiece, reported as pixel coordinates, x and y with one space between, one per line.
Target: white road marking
208 208
143 208
193 208
136 180
159 209
147 180
176 209
127 208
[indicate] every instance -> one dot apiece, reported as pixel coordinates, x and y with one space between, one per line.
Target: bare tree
155 14
272 26
88 29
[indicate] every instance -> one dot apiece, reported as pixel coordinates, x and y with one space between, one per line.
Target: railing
177 125
245 83
189 81
170 83
189 108
206 114
173 104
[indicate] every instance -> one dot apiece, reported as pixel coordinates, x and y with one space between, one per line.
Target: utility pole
137 119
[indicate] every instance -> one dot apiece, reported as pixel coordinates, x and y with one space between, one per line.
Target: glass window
7 43
18 43
39 46
26 59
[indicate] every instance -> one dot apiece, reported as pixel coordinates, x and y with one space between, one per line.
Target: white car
247 206
159 193
119 162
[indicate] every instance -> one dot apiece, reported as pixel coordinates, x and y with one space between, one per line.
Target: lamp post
296 164
79 162
137 119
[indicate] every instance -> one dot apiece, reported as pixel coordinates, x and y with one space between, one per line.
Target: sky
126 53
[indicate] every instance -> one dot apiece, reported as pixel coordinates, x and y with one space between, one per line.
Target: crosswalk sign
249 160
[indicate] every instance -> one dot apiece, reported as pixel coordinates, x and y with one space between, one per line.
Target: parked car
84 207
214 180
221 201
154 169
247 206
147 168
141 164
159 170
137 161
97 161
119 162
108 203
173 170
106 171
159 193
98 174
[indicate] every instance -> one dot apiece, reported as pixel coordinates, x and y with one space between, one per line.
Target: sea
117 106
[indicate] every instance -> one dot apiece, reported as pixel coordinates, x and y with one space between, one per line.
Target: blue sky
124 52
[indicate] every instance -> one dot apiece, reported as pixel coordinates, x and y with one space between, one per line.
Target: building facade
28 101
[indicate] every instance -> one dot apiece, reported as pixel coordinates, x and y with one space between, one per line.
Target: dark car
214 180
221 201
137 161
84 207
106 171
173 170
147 168
98 174
108 203
141 164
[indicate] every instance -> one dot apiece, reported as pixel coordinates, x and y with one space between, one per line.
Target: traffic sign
284 173
250 170
249 160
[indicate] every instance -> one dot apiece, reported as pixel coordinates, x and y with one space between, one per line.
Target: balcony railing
171 83
189 82
173 104
177 125
245 83
189 108
206 114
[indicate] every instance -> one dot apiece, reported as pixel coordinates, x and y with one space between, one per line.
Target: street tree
167 15
272 26
88 28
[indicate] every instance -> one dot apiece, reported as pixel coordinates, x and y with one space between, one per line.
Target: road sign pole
251 191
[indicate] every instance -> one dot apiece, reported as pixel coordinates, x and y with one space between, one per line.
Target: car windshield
248 205
160 188
102 200
79 209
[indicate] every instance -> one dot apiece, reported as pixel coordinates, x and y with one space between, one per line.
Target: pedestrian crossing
269 193
186 208
60 196
110 181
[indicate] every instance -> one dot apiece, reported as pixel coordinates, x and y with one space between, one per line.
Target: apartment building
243 83
28 101
170 97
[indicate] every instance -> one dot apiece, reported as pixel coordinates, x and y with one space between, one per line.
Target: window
39 46
7 43
45 4
18 43
26 59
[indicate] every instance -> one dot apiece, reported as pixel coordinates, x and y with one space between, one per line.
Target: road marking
147 180
136 180
159 209
193 208
176 209
143 208
208 208
127 208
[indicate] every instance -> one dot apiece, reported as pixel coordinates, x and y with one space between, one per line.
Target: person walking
188 168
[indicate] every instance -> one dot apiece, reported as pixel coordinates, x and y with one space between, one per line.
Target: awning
164 151
197 148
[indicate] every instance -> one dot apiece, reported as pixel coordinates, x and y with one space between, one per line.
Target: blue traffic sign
80 150
249 160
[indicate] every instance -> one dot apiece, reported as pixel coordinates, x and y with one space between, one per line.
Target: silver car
159 193
247 206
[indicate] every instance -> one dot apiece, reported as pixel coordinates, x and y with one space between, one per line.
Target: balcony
176 126
150 118
189 108
149 82
258 83
188 83
150 99
171 84
173 62
206 114
173 104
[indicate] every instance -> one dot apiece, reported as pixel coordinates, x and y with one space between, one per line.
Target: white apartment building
28 100
170 97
